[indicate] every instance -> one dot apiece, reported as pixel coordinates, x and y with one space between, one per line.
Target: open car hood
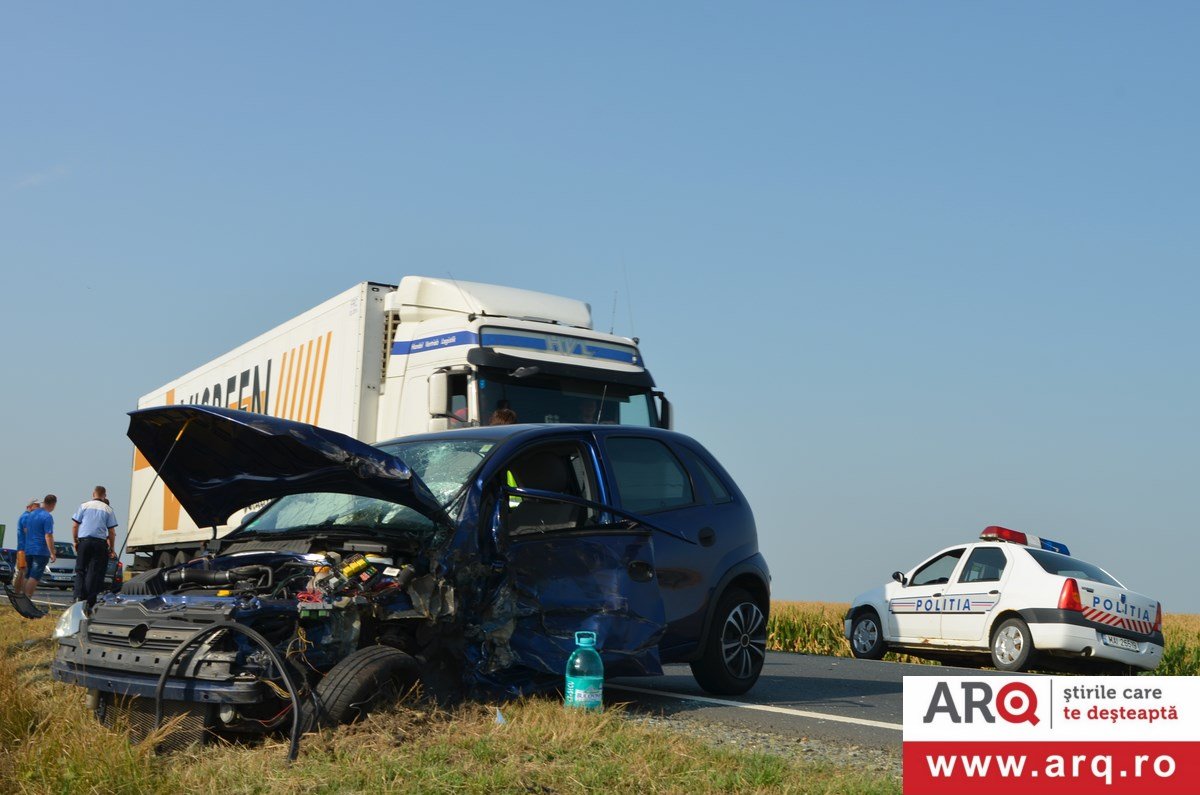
224 460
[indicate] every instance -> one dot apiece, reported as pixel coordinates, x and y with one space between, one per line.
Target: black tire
736 646
1012 645
370 677
866 636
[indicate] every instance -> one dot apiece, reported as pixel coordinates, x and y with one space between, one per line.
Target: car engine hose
214 577
204 632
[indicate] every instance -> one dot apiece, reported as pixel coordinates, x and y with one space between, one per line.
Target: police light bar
997 533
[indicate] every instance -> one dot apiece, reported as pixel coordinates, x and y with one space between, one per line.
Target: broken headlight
70 621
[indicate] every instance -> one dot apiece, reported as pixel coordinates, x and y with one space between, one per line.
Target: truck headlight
70 620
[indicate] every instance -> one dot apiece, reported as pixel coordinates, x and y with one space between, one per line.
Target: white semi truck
380 361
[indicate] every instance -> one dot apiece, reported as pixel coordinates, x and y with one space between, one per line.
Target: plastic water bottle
585 674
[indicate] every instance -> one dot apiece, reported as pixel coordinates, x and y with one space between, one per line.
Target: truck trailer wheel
370 677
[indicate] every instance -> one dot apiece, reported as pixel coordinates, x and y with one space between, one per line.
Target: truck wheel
370 677
736 648
866 636
1012 645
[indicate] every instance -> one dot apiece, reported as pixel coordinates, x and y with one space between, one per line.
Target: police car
1016 597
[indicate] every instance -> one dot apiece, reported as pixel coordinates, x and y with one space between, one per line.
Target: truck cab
380 361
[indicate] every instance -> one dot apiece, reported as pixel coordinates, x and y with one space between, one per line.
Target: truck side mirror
439 394
665 419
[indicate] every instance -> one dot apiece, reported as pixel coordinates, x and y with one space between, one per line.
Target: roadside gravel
808 749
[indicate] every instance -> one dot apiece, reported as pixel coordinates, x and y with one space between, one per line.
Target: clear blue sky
908 270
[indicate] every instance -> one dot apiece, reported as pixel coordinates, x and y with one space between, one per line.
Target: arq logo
1016 702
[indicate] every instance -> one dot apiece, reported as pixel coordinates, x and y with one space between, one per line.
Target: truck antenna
628 297
612 323
463 293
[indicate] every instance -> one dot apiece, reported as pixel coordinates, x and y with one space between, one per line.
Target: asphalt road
798 695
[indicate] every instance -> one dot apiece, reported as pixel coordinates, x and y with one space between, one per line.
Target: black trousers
90 566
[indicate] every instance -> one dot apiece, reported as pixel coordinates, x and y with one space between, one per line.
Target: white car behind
1012 600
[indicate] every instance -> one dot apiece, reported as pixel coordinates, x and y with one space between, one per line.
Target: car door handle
640 571
992 593
937 595
707 536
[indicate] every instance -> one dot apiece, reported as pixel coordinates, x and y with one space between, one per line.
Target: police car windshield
1065 566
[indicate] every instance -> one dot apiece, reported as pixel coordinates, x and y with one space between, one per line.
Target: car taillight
1068 597
1158 618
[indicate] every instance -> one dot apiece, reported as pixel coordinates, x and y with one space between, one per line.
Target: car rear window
1066 566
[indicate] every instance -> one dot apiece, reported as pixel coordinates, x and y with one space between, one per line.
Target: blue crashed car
465 560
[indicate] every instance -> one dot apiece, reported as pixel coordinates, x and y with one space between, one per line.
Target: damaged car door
567 562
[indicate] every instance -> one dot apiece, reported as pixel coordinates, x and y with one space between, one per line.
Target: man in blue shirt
19 561
93 530
39 543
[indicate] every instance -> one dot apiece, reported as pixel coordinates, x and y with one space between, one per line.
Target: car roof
500 433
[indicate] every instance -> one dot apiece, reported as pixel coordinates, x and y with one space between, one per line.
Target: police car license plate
1120 643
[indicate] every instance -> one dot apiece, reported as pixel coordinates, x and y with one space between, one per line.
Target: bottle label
585 692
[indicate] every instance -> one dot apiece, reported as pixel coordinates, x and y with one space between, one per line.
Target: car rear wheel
866 637
1012 645
736 647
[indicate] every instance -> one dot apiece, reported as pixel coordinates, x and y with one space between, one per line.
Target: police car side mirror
899 577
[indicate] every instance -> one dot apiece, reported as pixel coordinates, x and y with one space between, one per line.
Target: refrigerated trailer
380 361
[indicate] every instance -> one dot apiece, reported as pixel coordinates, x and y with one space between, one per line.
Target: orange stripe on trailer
171 509
139 460
324 372
281 401
304 381
295 382
312 385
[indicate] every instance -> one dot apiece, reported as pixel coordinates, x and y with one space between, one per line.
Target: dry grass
50 743
816 628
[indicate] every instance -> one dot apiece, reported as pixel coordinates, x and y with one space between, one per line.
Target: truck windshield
544 399
444 466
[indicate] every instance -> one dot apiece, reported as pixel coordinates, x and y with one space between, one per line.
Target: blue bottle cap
586 639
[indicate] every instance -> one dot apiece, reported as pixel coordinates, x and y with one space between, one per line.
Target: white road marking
797 713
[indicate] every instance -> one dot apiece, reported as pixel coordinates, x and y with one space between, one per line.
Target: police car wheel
736 646
1012 645
866 637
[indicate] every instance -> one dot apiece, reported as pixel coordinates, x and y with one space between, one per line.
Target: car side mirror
899 577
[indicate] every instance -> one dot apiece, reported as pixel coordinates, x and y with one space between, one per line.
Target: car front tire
866 637
370 677
1012 645
736 647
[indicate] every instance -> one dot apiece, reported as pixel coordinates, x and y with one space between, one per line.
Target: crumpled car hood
224 460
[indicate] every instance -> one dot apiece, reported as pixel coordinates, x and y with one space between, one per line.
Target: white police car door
915 609
969 602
